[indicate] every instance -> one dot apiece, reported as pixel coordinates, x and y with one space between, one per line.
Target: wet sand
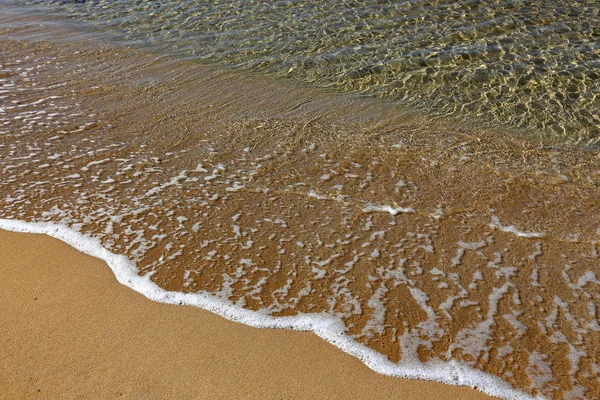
429 241
71 331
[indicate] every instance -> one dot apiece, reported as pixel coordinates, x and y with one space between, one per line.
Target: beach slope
69 330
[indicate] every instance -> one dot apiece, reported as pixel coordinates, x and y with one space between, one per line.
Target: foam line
512 229
389 209
328 328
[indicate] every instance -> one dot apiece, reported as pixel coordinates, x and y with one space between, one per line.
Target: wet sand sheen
71 331
428 241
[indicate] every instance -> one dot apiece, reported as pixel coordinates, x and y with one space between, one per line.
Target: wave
325 326
424 248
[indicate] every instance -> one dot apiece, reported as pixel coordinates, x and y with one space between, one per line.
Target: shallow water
427 241
532 64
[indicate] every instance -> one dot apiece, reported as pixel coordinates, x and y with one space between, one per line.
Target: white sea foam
389 209
512 229
325 326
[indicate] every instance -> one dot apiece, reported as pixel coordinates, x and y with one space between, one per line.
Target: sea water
162 138
531 64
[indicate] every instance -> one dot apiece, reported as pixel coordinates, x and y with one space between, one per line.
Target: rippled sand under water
428 241
525 64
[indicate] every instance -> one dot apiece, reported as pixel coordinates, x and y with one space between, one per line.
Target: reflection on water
528 64
426 242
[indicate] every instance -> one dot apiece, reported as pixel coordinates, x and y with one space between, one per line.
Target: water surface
429 249
528 64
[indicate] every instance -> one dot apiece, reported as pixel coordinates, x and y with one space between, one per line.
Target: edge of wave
326 327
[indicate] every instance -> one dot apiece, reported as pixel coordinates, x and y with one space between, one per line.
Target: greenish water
525 64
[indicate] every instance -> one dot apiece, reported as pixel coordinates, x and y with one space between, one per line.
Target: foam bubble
512 229
325 326
388 209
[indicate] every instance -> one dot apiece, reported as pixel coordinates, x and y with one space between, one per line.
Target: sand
69 330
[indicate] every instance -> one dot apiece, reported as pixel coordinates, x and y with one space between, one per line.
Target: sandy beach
422 238
71 331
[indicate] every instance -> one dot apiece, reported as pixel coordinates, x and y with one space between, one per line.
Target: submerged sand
427 240
69 330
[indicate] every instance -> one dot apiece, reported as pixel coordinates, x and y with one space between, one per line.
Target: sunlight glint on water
533 64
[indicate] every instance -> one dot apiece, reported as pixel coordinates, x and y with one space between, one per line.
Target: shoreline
176 169
75 332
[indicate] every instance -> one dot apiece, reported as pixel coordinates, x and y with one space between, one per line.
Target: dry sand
69 330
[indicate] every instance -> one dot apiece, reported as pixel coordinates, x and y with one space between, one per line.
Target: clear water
526 64
462 255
